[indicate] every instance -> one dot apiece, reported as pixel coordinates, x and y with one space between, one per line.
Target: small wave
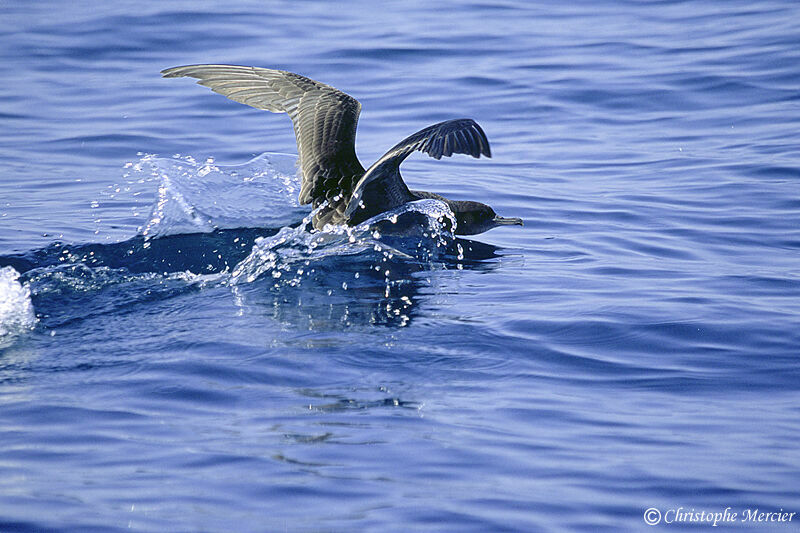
70 293
16 307
75 278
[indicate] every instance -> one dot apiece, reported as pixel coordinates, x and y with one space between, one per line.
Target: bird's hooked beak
503 221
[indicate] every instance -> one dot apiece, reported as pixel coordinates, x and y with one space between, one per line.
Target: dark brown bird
325 122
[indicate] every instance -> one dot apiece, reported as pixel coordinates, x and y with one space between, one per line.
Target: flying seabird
325 120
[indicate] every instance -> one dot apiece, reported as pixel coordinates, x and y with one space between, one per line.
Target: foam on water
16 307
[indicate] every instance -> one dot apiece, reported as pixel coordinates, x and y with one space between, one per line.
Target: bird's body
325 121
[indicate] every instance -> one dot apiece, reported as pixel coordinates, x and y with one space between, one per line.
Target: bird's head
475 217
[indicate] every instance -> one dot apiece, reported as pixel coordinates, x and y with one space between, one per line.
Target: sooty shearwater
325 120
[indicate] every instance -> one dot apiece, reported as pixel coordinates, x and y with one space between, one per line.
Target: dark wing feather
457 136
324 120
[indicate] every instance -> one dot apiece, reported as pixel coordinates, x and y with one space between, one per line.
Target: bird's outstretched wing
324 119
457 136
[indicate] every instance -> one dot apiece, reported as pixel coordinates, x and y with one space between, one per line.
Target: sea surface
178 353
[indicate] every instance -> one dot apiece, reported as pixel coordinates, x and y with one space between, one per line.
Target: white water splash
16 308
286 254
201 197
194 197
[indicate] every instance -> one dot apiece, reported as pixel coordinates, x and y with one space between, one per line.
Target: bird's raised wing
457 136
324 119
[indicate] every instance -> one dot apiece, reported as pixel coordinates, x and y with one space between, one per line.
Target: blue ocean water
177 355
